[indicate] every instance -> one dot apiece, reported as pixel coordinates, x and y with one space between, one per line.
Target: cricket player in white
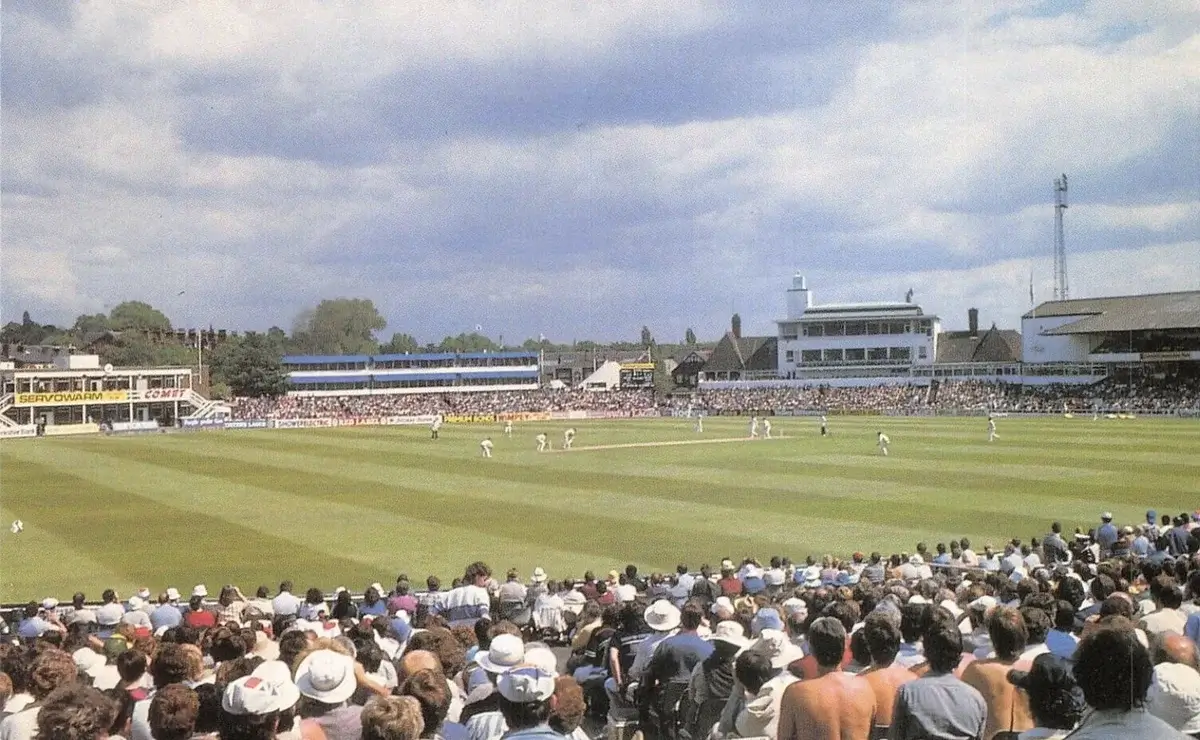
883 443
767 428
698 424
508 428
542 443
568 438
485 447
824 427
753 427
436 427
992 436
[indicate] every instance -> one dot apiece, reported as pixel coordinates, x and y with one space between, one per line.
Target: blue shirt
938 707
166 615
1062 643
378 609
33 627
1106 536
1141 546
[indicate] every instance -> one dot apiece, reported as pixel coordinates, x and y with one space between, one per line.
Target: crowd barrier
26 430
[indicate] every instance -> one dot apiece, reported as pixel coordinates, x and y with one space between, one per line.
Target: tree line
136 334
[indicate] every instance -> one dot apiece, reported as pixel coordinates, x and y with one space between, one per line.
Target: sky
581 169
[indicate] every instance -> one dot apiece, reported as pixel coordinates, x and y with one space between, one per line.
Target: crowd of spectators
1117 394
419 404
1091 635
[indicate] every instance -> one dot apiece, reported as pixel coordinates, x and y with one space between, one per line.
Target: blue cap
1151 516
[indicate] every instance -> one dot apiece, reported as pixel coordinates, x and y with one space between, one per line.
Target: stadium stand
1096 633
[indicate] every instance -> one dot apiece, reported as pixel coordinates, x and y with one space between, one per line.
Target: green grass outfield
354 505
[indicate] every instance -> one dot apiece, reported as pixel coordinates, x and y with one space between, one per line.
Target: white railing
6 402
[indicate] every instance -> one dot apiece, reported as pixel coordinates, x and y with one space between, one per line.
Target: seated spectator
52 669
938 705
884 676
392 718
568 708
72 712
1174 697
1007 709
526 702
1062 640
250 708
173 712
1055 700
833 704
1113 669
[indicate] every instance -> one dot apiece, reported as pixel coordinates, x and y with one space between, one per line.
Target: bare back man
834 705
885 676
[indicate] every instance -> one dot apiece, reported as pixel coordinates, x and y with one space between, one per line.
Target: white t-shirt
20 726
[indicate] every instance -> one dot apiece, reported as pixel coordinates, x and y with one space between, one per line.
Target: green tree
279 338
400 344
473 342
252 366
689 337
137 350
137 316
89 324
339 326
663 382
647 337
735 325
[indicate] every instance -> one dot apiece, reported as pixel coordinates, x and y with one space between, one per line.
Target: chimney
973 321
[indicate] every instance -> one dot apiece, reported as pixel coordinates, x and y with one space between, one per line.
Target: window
810 355
877 354
790 356
856 355
922 353
814 330
834 355
855 328
900 353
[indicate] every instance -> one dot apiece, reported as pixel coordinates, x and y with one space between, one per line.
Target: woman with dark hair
343 607
313 606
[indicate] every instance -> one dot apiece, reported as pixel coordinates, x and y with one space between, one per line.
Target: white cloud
928 163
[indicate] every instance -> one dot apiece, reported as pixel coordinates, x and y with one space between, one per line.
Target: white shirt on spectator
285 603
20 726
466 605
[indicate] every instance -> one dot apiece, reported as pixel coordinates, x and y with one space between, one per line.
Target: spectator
1007 709
74 712
1055 700
250 708
171 665
568 708
469 602
1062 640
1114 671
712 681
670 671
1174 697
884 676
526 701
1166 617
392 718
52 669
832 705
173 713
285 604
167 614
938 705
326 679
429 688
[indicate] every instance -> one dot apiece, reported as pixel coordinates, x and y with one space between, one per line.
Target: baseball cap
526 684
257 695
326 676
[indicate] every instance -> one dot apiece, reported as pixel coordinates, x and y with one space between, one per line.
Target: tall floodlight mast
1060 245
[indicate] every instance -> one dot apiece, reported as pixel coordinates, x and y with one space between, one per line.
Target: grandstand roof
1124 313
743 353
993 345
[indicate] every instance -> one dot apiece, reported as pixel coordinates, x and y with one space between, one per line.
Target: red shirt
202 618
730 586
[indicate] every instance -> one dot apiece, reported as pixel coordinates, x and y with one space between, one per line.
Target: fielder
766 428
435 427
568 438
992 436
883 443
543 444
698 424
824 427
508 428
485 447
753 427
